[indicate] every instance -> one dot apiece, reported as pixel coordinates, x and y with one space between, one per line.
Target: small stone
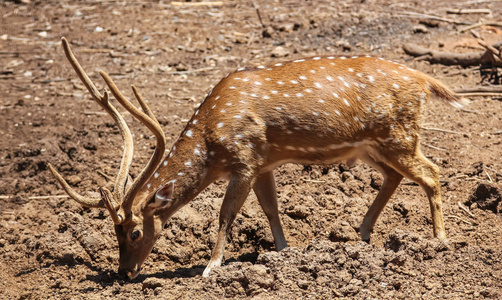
279 51
152 283
267 32
420 29
298 211
74 180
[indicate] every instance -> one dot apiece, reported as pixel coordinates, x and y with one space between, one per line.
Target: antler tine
153 125
85 201
143 104
81 73
102 100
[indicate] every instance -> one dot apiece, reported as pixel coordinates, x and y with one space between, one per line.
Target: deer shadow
196 270
107 277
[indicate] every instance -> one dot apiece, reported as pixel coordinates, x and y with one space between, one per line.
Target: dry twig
434 147
442 130
444 58
465 11
459 218
410 14
464 29
48 197
194 4
462 207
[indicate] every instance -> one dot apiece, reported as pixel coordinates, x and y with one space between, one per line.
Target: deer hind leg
237 192
265 191
391 181
415 166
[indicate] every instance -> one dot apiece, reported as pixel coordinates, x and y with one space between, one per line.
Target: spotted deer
317 110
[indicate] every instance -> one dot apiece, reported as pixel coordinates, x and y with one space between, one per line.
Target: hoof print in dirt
487 197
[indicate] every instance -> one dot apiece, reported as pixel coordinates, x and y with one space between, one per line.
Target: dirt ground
51 248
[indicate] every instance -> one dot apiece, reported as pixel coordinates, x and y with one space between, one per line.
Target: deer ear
162 197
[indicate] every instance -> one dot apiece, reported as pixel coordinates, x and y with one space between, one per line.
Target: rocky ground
50 247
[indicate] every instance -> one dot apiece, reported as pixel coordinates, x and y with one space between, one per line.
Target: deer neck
186 166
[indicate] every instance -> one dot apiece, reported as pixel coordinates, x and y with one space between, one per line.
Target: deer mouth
130 274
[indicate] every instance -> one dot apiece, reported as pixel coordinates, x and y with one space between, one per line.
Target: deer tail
444 93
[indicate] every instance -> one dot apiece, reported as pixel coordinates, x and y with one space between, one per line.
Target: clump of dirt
486 197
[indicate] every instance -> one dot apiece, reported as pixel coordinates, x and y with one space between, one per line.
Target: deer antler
149 120
119 203
102 100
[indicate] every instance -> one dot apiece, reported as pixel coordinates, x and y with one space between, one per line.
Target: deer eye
135 235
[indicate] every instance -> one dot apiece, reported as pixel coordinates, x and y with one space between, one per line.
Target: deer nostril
124 273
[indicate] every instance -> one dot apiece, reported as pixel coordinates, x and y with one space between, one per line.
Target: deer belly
308 155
